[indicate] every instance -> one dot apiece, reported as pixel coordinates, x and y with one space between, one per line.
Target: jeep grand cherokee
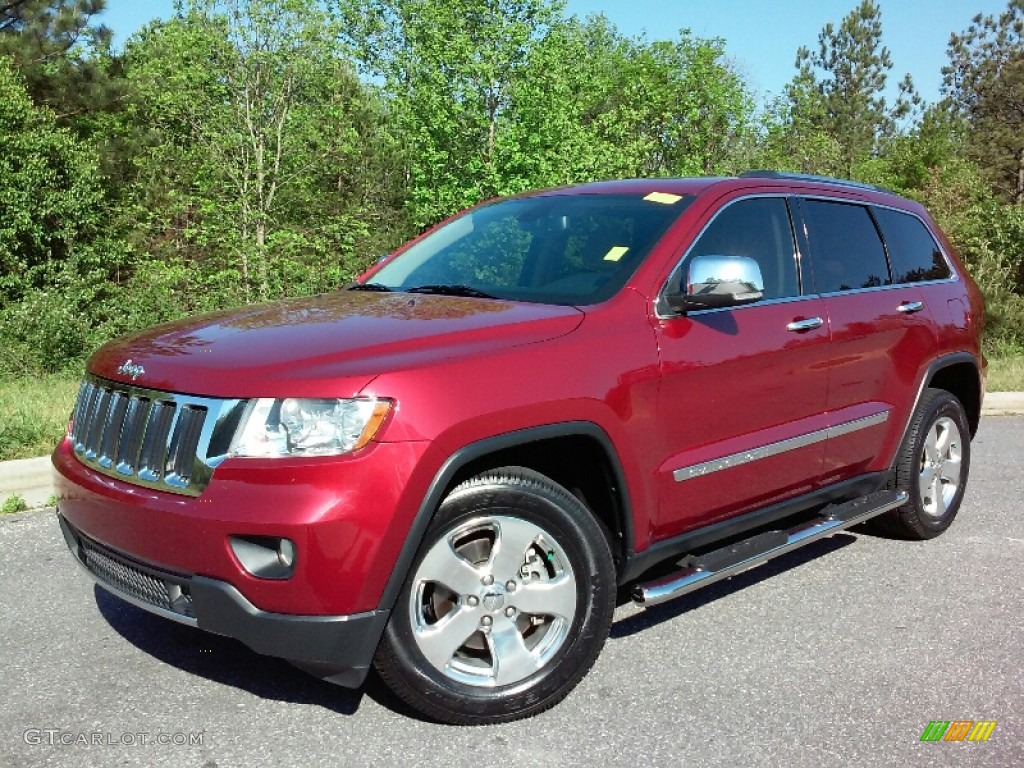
448 470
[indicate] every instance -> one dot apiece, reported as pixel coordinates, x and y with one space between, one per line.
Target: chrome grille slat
98 424
112 430
154 444
131 438
88 407
78 416
183 445
151 438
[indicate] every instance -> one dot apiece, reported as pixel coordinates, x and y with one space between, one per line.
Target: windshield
562 249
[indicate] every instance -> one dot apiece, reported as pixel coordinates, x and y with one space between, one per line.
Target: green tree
449 71
496 96
839 86
50 212
271 63
984 83
255 123
63 56
908 162
680 106
606 105
564 129
793 136
49 191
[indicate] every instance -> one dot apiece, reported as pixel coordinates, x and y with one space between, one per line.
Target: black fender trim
933 368
481 448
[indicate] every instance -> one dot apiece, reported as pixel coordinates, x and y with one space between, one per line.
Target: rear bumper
336 648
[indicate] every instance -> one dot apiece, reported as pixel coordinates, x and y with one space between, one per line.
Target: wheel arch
536 448
960 375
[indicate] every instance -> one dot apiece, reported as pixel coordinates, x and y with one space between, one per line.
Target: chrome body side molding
774 449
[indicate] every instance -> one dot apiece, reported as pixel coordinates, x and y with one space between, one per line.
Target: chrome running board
728 561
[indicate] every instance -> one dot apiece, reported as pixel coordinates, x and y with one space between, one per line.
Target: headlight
308 427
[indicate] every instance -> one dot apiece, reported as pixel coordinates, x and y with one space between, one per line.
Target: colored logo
958 730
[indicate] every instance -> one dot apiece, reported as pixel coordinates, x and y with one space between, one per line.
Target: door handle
799 326
910 307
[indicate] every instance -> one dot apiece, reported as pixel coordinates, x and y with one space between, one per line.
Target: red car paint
668 392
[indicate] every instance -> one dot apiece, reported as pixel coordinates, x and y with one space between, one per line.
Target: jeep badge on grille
130 369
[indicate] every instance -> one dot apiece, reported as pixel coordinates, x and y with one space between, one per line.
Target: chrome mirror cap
738 277
718 281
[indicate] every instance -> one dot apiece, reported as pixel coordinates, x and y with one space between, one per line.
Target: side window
760 229
913 253
846 251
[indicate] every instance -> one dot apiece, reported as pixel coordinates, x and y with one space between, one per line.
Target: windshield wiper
451 290
368 287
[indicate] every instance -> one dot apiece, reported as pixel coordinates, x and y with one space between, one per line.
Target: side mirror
717 281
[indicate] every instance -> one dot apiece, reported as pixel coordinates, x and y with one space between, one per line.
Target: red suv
448 469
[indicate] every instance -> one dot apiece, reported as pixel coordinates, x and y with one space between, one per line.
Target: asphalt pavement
839 654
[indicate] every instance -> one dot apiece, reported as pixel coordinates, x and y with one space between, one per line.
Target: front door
742 406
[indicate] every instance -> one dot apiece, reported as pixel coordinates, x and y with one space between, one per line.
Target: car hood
328 345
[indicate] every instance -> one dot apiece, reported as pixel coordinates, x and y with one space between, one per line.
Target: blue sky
761 36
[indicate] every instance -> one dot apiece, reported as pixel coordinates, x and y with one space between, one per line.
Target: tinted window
559 249
758 229
913 253
845 248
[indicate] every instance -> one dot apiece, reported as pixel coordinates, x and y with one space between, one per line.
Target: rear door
882 334
743 390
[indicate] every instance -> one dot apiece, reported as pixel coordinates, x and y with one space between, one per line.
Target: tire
507 604
932 467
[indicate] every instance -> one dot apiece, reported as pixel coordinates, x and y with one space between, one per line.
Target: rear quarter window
913 253
846 250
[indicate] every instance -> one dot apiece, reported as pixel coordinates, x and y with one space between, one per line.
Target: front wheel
507 604
932 468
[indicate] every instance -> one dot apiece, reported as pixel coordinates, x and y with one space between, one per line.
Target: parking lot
839 654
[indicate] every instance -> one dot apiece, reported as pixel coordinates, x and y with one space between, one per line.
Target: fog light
286 553
266 557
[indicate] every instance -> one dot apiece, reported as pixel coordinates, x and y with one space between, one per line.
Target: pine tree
984 83
839 87
63 57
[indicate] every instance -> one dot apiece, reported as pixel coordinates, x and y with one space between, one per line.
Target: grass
34 414
1006 374
13 504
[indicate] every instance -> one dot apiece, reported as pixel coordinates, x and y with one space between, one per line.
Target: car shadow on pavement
229 662
653 616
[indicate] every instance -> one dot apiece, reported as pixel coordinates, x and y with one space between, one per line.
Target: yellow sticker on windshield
616 253
665 198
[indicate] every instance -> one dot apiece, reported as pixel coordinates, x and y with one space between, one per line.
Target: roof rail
764 174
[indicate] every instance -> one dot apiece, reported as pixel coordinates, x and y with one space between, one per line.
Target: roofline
791 176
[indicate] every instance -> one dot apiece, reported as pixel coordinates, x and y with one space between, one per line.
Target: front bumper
348 518
336 648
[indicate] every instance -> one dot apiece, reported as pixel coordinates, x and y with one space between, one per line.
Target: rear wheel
932 467
507 605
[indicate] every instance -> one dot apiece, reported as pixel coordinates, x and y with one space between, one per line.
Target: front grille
148 437
145 585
